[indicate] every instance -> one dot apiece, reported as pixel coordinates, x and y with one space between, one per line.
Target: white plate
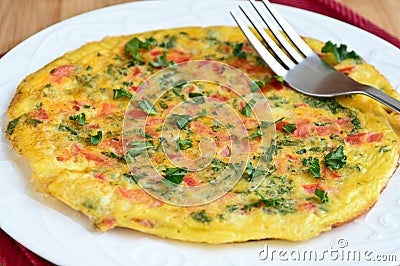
64 236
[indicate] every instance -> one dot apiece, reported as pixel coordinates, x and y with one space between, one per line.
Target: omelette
325 162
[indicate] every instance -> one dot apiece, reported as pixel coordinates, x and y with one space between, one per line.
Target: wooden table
20 19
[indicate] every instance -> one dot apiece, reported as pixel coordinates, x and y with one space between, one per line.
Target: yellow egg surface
332 157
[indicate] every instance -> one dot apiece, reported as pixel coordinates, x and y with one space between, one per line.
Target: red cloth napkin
336 10
12 253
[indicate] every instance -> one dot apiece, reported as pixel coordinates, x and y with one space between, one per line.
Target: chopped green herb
130 178
269 156
384 149
254 86
289 143
175 175
163 105
327 104
184 144
122 92
340 52
33 122
217 165
247 109
265 124
200 217
148 107
252 172
181 120
237 51
180 85
11 125
313 166
95 139
253 205
145 134
132 46
163 62
290 128
136 148
216 127
270 202
196 97
68 129
231 208
322 195
301 151
321 124
256 134
336 159
334 107
81 118
171 43
113 155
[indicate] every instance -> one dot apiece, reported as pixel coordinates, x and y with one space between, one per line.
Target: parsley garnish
237 51
137 147
313 166
265 124
95 139
268 202
200 217
33 122
11 126
336 159
247 109
171 43
269 155
163 105
122 92
81 118
132 46
175 175
148 107
290 128
181 120
184 144
256 134
340 52
145 134
196 97
322 195
67 129
252 172
217 165
113 155
163 62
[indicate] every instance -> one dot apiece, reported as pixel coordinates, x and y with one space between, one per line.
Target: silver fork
303 70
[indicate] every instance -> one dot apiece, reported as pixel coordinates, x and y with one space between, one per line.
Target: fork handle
382 97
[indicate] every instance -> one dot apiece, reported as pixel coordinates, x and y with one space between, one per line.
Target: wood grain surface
19 19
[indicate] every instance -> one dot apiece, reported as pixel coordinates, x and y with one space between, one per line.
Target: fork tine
259 47
271 43
289 31
276 32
